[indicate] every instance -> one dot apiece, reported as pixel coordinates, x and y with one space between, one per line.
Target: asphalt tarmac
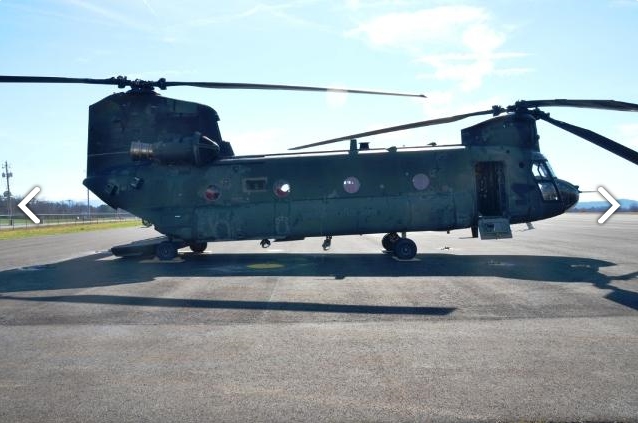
540 327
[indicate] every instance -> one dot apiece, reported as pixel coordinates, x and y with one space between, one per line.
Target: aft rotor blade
407 126
593 137
57 80
122 81
619 106
250 86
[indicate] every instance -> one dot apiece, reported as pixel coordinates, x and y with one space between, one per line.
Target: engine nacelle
197 150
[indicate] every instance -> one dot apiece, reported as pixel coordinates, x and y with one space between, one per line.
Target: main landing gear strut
327 243
403 248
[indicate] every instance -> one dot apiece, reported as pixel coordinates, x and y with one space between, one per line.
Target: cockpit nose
568 193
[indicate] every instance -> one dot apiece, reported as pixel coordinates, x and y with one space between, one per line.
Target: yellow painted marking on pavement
261 266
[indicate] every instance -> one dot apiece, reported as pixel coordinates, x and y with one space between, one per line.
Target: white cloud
112 16
512 71
255 142
149 7
481 39
469 72
286 11
412 29
438 103
457 43
353 4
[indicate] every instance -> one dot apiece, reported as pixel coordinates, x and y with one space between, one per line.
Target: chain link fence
20 221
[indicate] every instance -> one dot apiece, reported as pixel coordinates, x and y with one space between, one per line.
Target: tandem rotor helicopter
164 160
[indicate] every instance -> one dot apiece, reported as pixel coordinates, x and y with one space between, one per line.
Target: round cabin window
281 188
420 181
212 193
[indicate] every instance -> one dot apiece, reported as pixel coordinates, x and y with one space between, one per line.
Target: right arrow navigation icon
614 205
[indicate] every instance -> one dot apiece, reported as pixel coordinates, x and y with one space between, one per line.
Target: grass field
31 231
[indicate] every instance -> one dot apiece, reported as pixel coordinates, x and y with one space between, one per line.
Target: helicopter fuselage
291 196
164 161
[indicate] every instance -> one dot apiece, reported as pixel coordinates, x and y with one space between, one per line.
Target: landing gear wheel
198 247
405 249
146 223
327 243
475 232
389 240
166 250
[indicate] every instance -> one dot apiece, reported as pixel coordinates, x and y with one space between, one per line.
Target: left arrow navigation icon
23 205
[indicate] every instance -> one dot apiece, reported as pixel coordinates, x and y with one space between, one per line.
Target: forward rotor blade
407 126
593 137
122 82
619 106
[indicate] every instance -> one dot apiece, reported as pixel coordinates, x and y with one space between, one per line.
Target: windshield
544 176
542 170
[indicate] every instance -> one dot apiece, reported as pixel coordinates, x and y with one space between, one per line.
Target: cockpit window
551 171
542 171
548 191
544 176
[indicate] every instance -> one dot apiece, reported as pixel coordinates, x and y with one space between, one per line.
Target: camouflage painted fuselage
164 160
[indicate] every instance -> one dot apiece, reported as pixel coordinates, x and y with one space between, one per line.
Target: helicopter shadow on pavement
103 269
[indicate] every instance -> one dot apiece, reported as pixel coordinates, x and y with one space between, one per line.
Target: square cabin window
255 184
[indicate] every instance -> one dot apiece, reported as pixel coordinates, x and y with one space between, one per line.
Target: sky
464 56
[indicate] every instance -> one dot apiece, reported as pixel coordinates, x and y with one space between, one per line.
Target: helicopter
165 161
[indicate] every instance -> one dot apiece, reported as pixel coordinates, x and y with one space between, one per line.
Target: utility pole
7 194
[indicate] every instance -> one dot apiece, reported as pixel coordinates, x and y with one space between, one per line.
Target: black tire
389 240
405 249
166 250
146 223
475 232
198 247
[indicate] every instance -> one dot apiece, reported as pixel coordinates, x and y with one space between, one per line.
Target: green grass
32 231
